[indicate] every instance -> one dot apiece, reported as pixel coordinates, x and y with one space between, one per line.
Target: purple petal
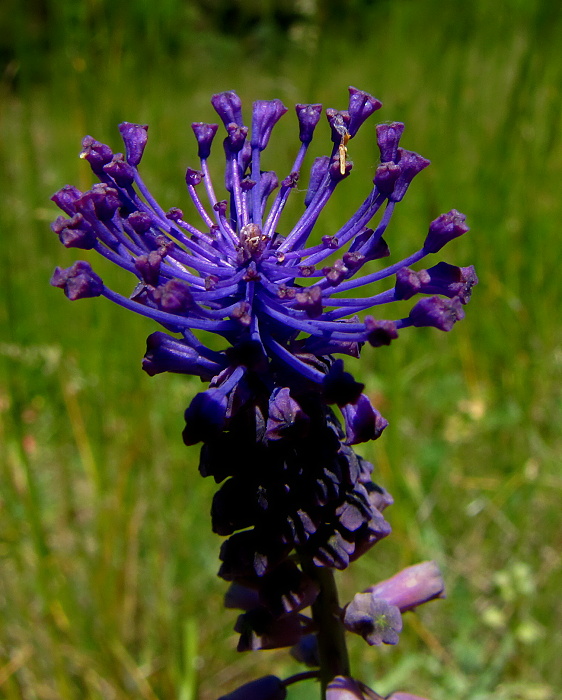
443 229
265 114
362 421
135 137
361 106
229 107
308 116
204 133
388 138
373 618
78 281
437 312
411 587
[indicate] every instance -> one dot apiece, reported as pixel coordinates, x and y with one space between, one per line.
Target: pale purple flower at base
411 587
345 688
374 613
377 621
404 696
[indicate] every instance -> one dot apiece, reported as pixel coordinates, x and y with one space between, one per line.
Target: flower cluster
294 497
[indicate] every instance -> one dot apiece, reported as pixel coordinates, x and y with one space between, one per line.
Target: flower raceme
294 497
272 292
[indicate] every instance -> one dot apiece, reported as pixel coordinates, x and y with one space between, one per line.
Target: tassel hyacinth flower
295 501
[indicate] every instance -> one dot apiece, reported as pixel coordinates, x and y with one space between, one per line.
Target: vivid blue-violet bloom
241 272
295 501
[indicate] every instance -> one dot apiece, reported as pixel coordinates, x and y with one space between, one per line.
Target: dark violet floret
134 137
444 229
78 281
285 417
204 133
74 232
266 688
388 138
437 312
340 387
167 354
120 171
205 417
308 116
380 332
102 201
361 106
448 280
362 421
266 113
65 199
410 164
229 107
97 154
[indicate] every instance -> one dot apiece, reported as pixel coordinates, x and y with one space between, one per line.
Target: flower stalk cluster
295 501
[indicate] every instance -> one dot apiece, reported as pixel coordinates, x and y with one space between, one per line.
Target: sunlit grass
108 584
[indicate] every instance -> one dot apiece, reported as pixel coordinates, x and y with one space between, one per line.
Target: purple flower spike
284 299
361 106
437 312
78 281
411 587
229 107
266 688
377 621
265 115
135 137
308 116
444 229
204 133
404 696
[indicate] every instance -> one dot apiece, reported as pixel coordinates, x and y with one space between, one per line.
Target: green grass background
108 586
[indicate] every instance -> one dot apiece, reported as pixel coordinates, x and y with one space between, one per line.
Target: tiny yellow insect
343 150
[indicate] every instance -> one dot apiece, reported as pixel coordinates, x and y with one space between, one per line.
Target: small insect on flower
338 125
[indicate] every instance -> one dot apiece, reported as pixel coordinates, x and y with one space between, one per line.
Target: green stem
332 649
